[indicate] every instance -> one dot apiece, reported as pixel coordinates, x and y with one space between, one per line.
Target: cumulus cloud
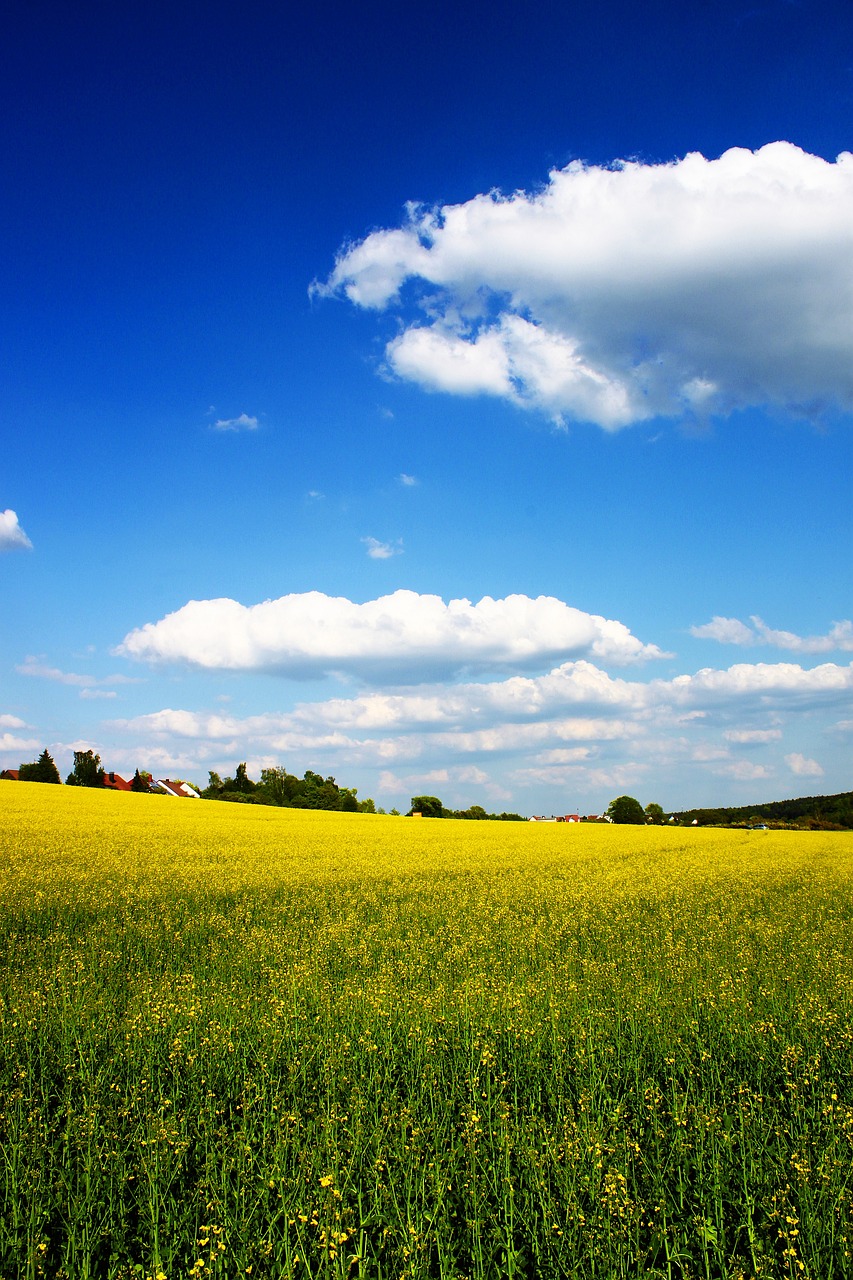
383 550
576 725
802 766
8 742
242 423
405 636
725 631
12 722
617 294
839 638
12 536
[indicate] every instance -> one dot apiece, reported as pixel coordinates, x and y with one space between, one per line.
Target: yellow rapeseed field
248 1041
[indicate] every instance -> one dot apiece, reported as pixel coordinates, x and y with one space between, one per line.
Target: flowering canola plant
264 1042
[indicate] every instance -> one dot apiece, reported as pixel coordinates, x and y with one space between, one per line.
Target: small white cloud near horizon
617 294
383 550
802 766
243 423
404 636
839 638
12 536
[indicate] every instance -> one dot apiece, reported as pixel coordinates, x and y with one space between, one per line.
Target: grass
239 1041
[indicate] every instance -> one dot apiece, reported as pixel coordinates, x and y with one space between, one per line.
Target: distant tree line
278 787
431 807
819 813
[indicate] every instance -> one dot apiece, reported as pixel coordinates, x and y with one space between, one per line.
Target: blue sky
449 400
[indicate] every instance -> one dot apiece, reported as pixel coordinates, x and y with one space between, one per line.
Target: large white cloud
403 637
12 535
615 294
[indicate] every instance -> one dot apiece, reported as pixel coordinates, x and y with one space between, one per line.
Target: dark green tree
277 786
141 782
42 770
242 781
427 806
655 814
87 771
625 810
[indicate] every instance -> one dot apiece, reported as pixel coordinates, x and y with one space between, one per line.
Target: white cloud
616 294
802 766
98 693
765 684
744 771
33 666
243 423
12 722
403 636
575 727
12 535
408 481
751 736
8 742
839 638
383 550
564 755
725 631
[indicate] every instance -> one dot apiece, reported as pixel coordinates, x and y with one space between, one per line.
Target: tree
427 806
277 786
87 771
242 781
625 810
42 770
655 814
141 781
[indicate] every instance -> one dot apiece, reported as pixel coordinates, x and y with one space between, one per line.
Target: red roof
115 782
11 775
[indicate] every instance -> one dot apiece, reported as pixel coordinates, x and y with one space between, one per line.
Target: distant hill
819 812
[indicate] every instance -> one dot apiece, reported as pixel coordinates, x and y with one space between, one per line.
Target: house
9 775
115 782
182 790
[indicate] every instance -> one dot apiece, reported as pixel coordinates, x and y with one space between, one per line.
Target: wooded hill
815 812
